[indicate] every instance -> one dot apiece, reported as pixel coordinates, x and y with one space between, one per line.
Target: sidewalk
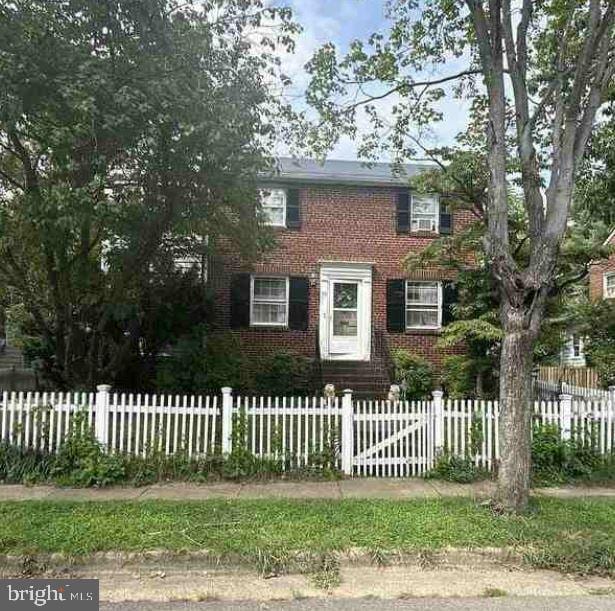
380 488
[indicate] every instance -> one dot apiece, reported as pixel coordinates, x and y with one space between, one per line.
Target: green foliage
596 322
202 362
154 119
458 377
81 460
456 469
284 373
414 374
23 466
557 461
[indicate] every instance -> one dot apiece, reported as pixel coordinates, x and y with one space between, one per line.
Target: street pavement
538 603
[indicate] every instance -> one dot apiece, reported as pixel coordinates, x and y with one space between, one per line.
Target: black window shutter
240 301
298 303
403 212
293 209
396 306
446 217
450 296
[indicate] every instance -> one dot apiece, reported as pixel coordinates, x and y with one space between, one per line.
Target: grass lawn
576 535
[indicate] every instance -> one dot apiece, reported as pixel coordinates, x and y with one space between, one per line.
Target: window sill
425 331
268 327
422 234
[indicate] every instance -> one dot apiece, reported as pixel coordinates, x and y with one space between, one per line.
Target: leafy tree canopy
131 133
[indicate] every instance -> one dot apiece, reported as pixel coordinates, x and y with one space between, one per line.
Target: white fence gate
365 438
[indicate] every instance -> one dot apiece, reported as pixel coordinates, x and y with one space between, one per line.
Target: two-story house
335 287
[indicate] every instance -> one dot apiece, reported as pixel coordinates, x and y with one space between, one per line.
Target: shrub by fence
366 438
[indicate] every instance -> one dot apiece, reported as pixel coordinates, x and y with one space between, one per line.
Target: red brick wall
338 224
596 277
597 271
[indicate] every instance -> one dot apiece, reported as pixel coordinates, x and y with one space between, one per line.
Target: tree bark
515 409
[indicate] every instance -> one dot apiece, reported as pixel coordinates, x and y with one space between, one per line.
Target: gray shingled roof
346 172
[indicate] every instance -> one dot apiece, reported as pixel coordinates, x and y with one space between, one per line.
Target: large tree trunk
515 410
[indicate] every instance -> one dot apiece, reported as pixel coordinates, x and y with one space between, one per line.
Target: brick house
602 275
601 286
335 288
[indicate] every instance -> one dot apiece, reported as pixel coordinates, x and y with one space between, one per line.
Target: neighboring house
601 286
335 288
602 275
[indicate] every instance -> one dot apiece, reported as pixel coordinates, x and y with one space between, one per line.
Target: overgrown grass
571 535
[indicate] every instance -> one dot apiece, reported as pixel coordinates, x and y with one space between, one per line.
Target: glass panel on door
345 302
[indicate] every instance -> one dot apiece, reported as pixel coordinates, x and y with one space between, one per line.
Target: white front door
345 312
344 317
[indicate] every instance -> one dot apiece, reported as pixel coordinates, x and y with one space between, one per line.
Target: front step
11 357
367 379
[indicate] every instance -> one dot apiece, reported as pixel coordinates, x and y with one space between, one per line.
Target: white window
274 206
269 301
423 305
425 213
609 285
573 352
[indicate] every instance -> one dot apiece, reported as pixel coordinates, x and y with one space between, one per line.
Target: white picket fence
365 438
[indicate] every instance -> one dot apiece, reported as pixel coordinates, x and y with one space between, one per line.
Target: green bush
22 466
202 363
456 469
556 461
458 377
284 373
414 374
81 460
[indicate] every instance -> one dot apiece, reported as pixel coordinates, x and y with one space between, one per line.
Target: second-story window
425 213
609 285
274 207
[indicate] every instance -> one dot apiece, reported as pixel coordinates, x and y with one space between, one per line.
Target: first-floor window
269 301
423 305
609 285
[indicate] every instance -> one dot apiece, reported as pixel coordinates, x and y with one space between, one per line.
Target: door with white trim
345 312
344 316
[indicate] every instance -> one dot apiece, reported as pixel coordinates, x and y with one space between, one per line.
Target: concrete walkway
380 488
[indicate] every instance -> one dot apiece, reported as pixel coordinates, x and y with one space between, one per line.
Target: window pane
345 295
269 313
274 205
610 285
424 204
422 293
273 289
274 216
345 322
420 318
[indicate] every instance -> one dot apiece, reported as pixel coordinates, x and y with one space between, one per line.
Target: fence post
612 398
101 422
438 415
227 420
565 416
347 432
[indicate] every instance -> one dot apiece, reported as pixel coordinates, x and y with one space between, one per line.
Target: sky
340 22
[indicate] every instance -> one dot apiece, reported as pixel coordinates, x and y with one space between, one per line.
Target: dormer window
425 213
274 207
